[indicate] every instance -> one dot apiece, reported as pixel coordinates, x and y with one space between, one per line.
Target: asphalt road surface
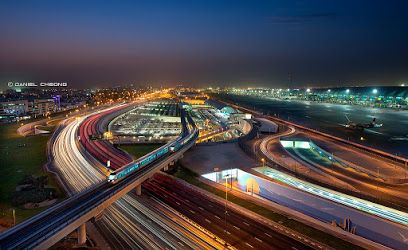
242 232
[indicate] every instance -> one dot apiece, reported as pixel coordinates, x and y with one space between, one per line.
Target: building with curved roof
382 96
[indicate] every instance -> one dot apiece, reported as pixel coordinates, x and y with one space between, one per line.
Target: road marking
268 235
228 232
294 248
164 231
217 217
210 205
180 243
186 200
237 227
249 245
246 223
165 195
192 211
258 239
178 203
201 208
207 220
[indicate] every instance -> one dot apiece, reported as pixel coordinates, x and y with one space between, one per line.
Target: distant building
44 106
12 109
380 96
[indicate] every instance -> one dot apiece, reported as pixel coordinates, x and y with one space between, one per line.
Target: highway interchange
79 173
103 151
134 222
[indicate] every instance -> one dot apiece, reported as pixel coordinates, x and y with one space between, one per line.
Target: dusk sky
204 43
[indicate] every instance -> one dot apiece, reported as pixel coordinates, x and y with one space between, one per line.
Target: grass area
325 238
139 150
17 162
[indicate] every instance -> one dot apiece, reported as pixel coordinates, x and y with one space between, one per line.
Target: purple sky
241 43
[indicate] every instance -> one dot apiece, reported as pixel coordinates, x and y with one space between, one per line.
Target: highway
242 232
363 205
367 206
101 149
79 174
373 185
275 239
29 233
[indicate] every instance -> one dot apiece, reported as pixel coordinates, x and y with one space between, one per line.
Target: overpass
45 229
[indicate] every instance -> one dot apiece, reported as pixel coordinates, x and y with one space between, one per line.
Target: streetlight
226 207
14 216
263 165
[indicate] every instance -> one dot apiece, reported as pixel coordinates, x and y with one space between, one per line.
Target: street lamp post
226 207
263 166
13 211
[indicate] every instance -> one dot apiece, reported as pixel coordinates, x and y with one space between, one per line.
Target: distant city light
347 90
329 90
308 90
375 91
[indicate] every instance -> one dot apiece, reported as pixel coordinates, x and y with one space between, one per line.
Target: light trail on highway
123 220
360 204
363 205
243 231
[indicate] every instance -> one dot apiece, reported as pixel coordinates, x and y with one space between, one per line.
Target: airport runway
392 137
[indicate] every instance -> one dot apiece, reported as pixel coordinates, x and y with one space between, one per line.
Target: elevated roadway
47 228
129 222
